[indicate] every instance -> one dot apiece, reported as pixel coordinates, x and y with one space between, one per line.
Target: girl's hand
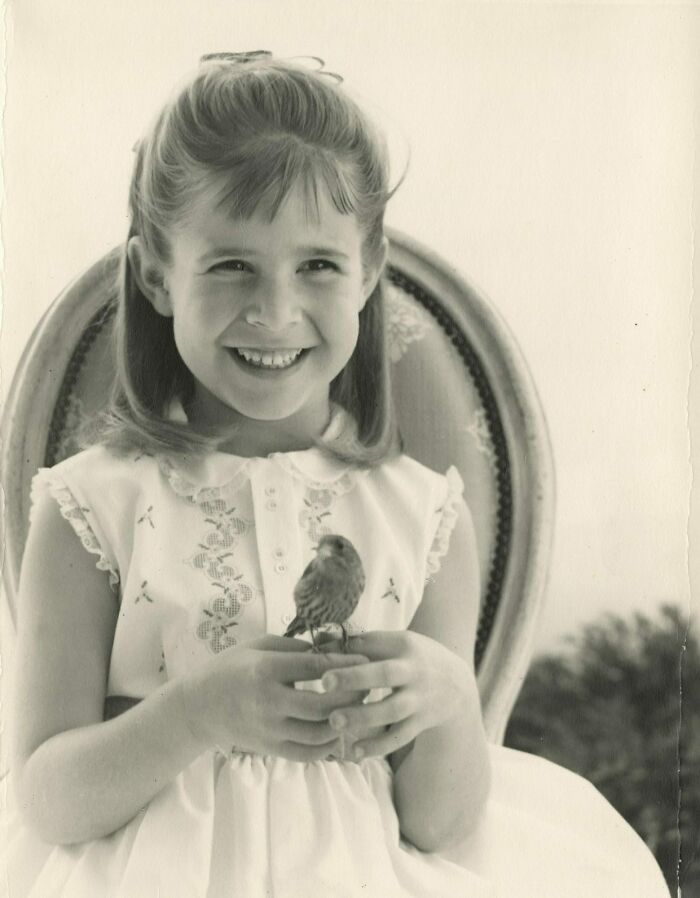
429 683
245 697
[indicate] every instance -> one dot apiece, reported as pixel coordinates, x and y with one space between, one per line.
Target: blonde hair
261 126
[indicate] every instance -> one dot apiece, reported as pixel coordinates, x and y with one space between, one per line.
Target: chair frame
514 586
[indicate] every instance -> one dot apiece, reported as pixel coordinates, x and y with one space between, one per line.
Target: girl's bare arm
79 777
442 779
75 776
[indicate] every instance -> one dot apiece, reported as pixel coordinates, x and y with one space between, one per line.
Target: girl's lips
267 362
269 358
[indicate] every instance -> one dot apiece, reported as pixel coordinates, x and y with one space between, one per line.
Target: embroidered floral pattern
146 516
390 592
215 559
143 594
405 323
218 617
314 514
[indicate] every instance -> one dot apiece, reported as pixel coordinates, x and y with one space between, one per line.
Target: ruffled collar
216 473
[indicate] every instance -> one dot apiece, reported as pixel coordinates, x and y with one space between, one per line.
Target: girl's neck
261 438
251 438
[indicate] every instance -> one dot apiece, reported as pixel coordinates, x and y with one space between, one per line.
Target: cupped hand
245 697
429 685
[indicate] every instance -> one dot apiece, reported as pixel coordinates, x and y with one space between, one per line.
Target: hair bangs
264 177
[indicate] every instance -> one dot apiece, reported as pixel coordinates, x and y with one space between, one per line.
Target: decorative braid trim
75 514
449 514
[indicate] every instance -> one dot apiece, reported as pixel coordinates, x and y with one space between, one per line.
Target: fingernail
329 682
338 721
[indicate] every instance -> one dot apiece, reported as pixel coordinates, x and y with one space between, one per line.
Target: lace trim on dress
76 515
448 517
338 482
188 489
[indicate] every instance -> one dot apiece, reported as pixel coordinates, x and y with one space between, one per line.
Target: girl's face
265 312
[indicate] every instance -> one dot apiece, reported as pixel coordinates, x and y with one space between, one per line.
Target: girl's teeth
269 359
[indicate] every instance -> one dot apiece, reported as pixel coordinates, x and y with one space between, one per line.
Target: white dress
205 556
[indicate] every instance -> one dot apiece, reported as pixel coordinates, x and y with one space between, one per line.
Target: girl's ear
374 272
150 276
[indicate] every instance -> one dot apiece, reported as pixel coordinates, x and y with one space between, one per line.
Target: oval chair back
464 396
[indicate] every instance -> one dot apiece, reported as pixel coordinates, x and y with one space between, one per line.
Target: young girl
168 739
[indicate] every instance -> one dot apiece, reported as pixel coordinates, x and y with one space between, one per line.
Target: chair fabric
464 396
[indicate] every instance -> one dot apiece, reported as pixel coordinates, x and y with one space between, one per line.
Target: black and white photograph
350 539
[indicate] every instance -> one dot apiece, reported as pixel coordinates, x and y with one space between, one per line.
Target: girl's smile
268 360
265 311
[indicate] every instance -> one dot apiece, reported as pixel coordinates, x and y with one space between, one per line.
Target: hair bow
247 56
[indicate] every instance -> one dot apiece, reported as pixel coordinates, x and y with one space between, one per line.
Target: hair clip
248 56
320 63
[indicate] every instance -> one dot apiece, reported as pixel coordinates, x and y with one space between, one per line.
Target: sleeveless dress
205 556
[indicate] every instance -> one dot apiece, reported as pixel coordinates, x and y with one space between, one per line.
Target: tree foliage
621 707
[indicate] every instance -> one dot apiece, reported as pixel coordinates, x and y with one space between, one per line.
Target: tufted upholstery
463 395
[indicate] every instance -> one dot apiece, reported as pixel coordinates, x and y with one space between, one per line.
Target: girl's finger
305 733
306 705
387 742
293 751
383 674
271 643
394 708
377 645
298 666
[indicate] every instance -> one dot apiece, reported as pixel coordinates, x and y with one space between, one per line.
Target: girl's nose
274 307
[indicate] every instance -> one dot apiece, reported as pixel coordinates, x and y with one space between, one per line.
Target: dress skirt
261 827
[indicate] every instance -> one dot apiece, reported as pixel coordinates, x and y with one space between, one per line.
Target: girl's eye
230 265
319 265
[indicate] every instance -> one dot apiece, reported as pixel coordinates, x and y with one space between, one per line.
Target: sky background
551 162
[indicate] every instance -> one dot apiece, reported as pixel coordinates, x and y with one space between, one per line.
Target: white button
281 568
271 505
279 552
270 490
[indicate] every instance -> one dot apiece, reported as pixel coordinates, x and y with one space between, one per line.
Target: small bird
329 589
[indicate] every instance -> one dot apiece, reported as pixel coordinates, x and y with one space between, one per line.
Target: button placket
279 545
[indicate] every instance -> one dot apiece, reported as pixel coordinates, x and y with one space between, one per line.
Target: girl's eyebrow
322 251
228 251
220 251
